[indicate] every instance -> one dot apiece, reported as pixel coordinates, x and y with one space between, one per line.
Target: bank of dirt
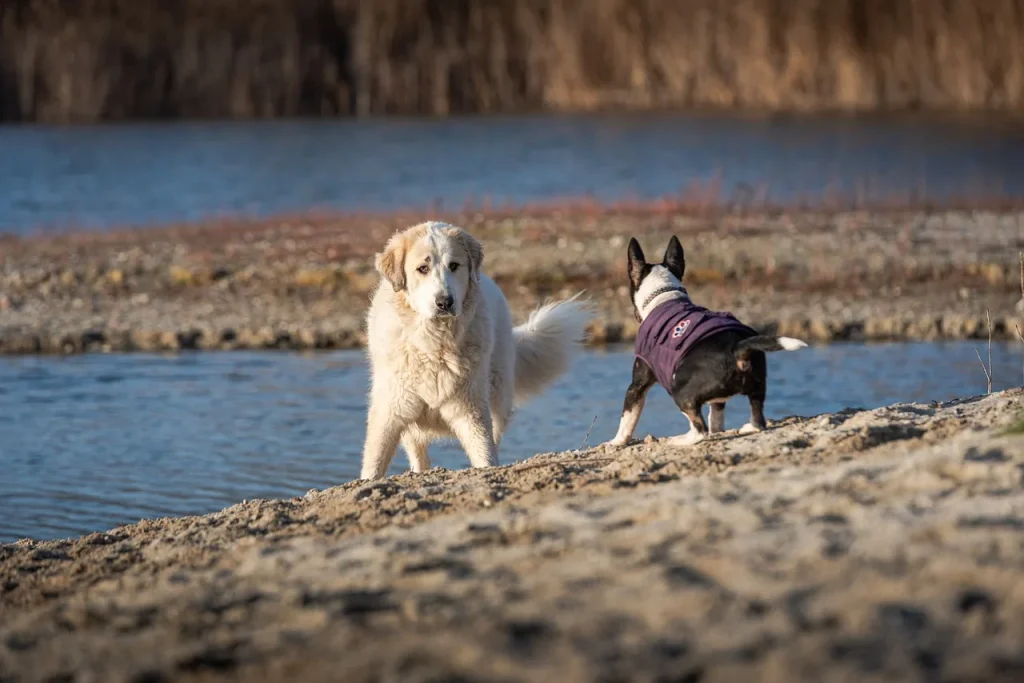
304 283
863 545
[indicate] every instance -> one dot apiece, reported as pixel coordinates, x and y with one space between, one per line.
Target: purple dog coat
669 332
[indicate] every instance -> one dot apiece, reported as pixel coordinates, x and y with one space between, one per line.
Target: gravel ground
305 282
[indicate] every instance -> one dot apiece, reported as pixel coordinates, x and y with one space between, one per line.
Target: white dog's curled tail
546 343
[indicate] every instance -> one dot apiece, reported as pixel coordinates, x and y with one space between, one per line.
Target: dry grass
89 60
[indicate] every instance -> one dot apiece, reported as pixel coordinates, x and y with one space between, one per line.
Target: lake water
89 442
100 176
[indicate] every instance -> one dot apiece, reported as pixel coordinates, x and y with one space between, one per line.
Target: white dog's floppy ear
675 259
391 262
475 252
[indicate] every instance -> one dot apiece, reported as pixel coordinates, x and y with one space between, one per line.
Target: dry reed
91 60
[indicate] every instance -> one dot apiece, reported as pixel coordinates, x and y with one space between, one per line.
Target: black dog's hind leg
717 417
757 422
755 388
633 405
698 428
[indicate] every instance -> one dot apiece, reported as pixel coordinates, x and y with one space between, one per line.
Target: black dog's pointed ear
636 262
674 259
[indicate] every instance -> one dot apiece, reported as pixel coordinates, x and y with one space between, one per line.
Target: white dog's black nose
445 302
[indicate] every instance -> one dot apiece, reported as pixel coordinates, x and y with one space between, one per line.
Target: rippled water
97 176
89 442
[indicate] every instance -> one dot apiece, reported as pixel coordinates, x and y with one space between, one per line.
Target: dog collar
658 292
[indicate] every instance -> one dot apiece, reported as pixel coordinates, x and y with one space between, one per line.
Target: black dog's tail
766 344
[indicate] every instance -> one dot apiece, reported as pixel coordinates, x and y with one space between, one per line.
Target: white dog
444 358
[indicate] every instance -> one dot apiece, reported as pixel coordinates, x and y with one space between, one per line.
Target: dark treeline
90 60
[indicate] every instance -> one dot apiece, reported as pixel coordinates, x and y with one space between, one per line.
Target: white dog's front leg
416 445
384 428
471 425
379 450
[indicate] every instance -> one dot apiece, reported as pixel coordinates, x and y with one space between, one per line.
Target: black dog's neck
658 292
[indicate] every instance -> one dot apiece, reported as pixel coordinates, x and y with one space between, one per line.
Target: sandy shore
868 546
304 283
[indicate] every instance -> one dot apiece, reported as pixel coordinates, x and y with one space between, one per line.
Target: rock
168 341
20 344
315 277
207 339
180 275
93 340
820 330
361 280
190 339
993 273
117 341
306 338
884 328
144 340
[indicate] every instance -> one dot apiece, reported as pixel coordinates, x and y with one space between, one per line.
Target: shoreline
602 334
871 544
304 282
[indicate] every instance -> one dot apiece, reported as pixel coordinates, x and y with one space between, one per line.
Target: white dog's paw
690 438
617 442
750 429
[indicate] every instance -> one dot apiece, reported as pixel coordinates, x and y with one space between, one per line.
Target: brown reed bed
94 60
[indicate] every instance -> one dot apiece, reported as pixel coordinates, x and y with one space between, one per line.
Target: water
89 442
102 176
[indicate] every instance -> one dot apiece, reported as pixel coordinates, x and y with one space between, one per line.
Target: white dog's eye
453 267
424 269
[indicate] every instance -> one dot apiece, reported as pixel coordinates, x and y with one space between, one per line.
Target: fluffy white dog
444 358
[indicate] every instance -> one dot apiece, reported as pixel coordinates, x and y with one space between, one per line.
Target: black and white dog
699 356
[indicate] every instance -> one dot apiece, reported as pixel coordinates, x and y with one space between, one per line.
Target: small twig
988 317
1019 336
988 377
587 435
1020 255
564 465
987 369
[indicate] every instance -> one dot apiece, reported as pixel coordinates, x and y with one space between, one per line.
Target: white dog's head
435 265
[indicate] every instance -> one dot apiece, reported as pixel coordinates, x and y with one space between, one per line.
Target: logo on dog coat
680 329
